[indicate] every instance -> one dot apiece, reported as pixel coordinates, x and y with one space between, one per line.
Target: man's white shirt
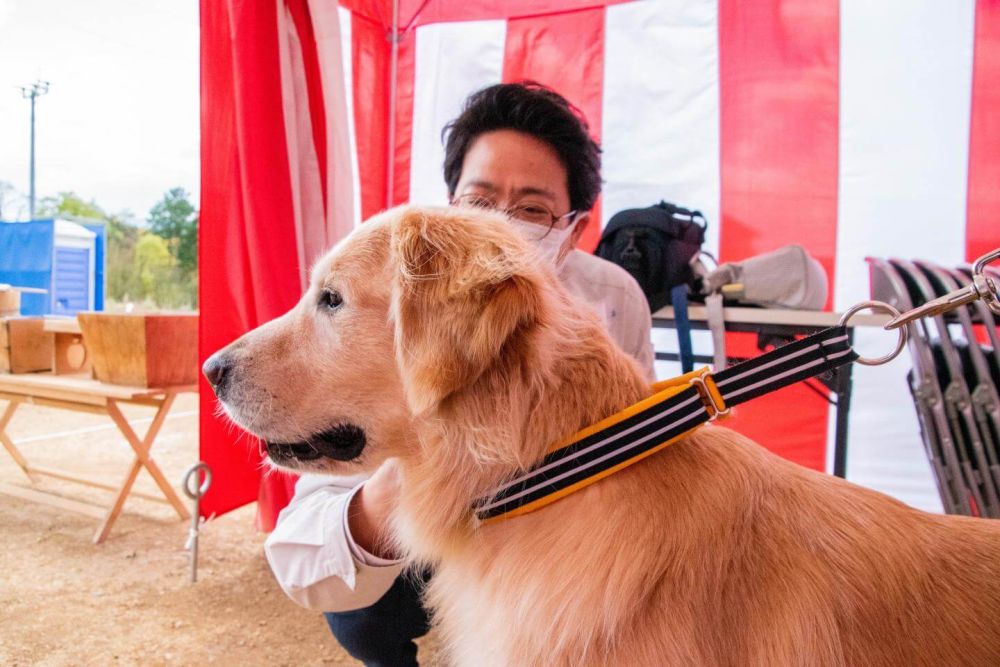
311 551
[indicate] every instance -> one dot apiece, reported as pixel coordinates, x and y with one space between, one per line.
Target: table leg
142 460
8 444
845 386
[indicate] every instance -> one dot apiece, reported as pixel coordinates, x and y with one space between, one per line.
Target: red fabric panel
299 10
405 73
421 12
377 11
778 70
565 52
370 72
983 225
235 484
247 255
371 55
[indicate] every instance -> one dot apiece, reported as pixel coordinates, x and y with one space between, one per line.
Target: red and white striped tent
851 127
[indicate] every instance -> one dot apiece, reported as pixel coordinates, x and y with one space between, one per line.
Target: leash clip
710 395
983 286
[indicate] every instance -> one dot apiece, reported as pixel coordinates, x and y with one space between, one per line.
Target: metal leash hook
195 493
982 287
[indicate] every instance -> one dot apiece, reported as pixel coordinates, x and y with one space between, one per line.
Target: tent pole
393 66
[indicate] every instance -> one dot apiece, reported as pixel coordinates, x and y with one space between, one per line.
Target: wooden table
782 325
86 395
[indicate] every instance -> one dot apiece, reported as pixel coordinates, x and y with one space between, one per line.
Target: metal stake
195 494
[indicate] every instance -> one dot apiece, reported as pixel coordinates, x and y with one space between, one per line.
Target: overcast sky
120 122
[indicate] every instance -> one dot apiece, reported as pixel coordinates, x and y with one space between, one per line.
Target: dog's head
435 336
420 314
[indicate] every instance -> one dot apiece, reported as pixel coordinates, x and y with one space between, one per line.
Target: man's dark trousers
382 635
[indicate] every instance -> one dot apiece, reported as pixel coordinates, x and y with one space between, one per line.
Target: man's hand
368 514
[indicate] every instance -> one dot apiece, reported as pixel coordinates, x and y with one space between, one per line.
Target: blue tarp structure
26 261
31 256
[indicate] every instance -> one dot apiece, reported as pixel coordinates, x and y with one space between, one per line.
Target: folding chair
948 348
888 285
981 369
954 373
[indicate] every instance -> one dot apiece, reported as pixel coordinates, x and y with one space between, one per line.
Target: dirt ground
128 601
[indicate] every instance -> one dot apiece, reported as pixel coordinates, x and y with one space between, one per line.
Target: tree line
151 265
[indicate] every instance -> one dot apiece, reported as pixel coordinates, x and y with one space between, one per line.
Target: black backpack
655 245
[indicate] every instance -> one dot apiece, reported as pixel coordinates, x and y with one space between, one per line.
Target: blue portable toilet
73 268
61 256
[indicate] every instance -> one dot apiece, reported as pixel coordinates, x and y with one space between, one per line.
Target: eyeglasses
534 212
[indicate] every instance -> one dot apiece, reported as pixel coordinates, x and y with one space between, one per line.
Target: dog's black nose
216 369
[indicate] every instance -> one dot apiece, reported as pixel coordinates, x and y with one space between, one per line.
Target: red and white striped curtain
853 128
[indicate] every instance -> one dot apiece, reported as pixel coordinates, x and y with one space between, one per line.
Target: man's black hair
533 109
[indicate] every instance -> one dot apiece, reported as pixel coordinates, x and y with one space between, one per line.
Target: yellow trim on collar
663 390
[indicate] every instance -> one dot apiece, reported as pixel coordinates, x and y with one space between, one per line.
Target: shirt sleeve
359 553
310 550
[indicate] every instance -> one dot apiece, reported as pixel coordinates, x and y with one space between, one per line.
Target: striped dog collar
678 407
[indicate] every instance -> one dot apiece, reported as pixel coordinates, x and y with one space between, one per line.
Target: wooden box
142 350
25 347
10 301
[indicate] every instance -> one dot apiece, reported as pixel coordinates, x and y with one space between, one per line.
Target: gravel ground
128 601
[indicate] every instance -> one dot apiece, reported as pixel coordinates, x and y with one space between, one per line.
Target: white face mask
550 243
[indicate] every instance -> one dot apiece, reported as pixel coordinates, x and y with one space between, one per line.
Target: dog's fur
458 353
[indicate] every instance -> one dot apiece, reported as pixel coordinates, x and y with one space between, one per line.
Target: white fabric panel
348 73
905 83
661 107
452 61
338 104
303 164
660 130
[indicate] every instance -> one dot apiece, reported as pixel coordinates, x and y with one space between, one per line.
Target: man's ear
466 296
582 221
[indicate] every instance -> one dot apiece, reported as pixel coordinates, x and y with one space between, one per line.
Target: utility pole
33 92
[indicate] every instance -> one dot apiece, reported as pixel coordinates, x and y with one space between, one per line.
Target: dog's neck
574 376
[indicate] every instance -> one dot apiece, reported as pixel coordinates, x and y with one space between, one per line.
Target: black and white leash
594 455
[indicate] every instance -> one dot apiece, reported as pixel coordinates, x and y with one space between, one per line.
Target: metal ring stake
195 493
877 306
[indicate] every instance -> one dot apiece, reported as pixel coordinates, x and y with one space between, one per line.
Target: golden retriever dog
437 337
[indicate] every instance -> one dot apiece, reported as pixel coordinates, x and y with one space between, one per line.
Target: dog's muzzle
343 442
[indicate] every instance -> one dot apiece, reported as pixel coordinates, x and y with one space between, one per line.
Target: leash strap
677 408
679 300
785 365
717 325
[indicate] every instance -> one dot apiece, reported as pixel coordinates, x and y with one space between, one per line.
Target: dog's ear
466 299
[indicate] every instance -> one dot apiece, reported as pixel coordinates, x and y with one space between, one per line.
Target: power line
33 92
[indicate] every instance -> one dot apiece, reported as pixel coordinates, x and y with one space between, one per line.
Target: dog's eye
331 299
